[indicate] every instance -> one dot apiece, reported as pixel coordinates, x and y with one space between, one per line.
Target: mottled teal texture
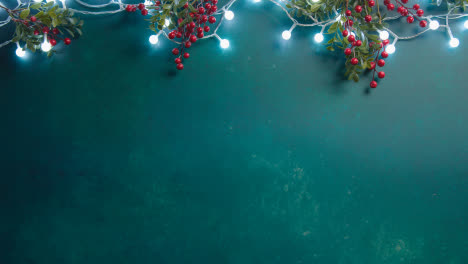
257 154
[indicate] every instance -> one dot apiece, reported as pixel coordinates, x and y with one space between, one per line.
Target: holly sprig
44 22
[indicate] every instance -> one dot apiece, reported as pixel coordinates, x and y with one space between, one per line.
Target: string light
466 24
20 52
37 1
383 35
318 37
434 24
167 22
229 15
153 39
224 43
286 34
454 42
315 1
46 46
390 49
257 1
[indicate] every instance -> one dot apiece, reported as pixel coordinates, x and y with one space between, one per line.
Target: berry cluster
189 33
407 12
140 6
52 35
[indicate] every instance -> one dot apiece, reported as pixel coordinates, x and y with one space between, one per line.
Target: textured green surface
256 154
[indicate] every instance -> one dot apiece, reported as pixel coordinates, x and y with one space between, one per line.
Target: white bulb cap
20 52
390 49
224 43
434 24
229 15
46 46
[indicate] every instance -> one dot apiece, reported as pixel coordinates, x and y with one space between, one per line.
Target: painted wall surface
256 154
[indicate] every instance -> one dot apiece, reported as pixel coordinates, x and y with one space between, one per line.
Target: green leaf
49 4
16 39
35 6
70 32
25 13
166 6
288 6
330 48
79 31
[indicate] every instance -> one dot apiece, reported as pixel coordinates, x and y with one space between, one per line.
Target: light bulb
257 1
153 39
167 22
229 15
454 42
383 35
466 24
338 18
286 34
390 49
20 52
318 37
434 24
37 1
148 3
50 1
315 1
224 43
46 46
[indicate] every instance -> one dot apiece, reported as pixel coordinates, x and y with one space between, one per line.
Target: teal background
261 153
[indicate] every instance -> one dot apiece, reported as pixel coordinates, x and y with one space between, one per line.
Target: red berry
381 74
214 2
144 12
350 22
381 63
193 38
373 84
191 14
416 6
141 6
180 66
347 51
371 3
186 55
45 30
128 8
178 34
206 28
134 8
186 5
188 44
36 32
200 35
55 31
391 7
351 38
171 35
200 30
368 18
400 9
192 24
177 60
213 9
348 12
404 1
175 51
208 6
212 19
358 9
67 41
372 65
404 12
179 21
33 19
354 61
159 3
384 54
410 19
423 23
358 43
420 12
344 33
201 10
53 42
385 42
386 2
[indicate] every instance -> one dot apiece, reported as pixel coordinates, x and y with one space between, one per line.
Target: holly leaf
35 6
25 13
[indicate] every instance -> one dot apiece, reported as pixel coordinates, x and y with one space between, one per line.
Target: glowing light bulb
229 15
454 42
318 37
20 52
383 35
315 1
257 1
46 46
50 1
286 34
466 24
338 18
434 24
167 22
153 39
37 1
224 43
148 3
390 49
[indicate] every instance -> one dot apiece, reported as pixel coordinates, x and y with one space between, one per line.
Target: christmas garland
357 28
